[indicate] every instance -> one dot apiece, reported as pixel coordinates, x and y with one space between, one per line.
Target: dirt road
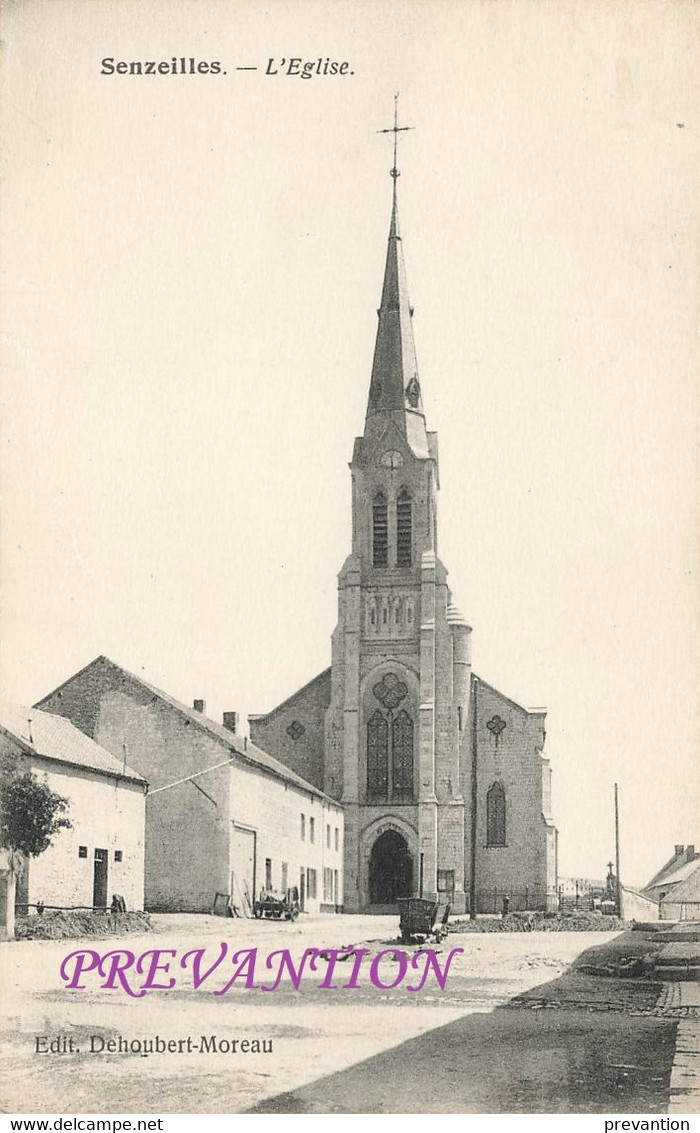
314 1033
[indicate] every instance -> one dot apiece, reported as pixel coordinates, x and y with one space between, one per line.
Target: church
442 778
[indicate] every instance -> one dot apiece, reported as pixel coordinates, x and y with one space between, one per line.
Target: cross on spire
394 392
395 130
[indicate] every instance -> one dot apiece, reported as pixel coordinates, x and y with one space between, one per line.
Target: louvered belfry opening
380 531
403 529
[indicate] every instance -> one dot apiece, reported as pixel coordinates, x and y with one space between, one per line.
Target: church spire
394 392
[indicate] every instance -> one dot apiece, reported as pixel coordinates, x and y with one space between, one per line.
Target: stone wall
509 740
294 731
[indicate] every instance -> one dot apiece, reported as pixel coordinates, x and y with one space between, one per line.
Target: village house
103 851
676 887
222 816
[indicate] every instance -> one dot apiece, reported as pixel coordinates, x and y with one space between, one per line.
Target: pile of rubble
64 924
579 921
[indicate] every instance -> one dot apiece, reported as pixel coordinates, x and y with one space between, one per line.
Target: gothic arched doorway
390 869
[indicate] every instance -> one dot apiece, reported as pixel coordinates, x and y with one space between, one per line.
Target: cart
420 919
274 907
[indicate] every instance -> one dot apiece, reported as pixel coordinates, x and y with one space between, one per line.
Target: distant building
103 852
222 816
580 887
444 779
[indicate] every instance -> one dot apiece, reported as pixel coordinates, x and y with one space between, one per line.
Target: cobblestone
682 1001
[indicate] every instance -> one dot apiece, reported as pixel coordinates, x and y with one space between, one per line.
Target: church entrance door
390 869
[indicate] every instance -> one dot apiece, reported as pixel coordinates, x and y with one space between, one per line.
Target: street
365 1050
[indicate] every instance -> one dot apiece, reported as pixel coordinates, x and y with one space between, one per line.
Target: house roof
675 876
54 737
678 859
246 751
689 888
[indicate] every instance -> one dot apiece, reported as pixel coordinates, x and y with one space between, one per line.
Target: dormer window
380 531
403 530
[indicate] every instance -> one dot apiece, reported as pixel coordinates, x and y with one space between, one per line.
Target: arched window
377 757
402 758
496 815
380 531
403 529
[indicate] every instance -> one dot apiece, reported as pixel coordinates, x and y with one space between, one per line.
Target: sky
192 265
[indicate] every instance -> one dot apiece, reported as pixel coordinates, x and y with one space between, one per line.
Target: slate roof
508 699
394 392
248 752
678 859
54 737
689 889
684 871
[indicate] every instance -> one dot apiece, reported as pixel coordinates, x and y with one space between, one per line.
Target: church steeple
394 392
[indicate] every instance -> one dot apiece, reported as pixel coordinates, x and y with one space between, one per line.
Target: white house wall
273 810
106 814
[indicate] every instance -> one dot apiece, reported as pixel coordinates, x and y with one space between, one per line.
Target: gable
79 698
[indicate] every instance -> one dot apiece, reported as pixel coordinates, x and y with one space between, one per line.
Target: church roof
394 392
54 737
243 748
508 700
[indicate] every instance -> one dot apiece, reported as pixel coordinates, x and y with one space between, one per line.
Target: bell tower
443 779
400 672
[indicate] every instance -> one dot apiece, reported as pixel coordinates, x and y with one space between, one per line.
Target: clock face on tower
391 459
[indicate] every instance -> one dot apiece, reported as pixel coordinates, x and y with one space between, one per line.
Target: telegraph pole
618 888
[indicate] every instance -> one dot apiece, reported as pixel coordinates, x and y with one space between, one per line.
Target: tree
30 814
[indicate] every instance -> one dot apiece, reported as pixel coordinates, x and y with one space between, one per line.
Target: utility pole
618 888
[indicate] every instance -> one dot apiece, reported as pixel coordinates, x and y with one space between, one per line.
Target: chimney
230 721
201 706
690 854
679 851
